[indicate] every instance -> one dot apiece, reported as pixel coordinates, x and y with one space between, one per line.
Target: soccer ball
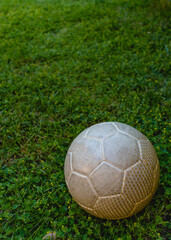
112 170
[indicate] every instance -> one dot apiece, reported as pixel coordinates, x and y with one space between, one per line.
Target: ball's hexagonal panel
138 182
130 130
81 136
114 207
148 154
82 190
121 150
86 156
101 130
107 180
68 166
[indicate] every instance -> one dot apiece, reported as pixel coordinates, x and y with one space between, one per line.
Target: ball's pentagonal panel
138 182
112 170
113 207
148 154
86 156
121 151
107 179
68 166
101 130
82 190
130 130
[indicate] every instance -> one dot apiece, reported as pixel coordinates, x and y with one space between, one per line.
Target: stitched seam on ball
123 208
93 138
140 151
141 201
69 177
75 198
140 147
118 167
137 163
109 134
89 209
87 132
95 169
125 196
93 212
96 203
92 188
116 195
128 135
115 126
79 174
112 165
123 184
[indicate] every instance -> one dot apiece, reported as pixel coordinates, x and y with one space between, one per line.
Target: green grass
66 65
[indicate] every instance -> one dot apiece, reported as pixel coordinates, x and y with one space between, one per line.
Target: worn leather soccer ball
112 170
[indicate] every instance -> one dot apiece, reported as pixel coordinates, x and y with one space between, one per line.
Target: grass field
64 66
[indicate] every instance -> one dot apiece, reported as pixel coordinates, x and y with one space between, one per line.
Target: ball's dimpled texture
112 170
